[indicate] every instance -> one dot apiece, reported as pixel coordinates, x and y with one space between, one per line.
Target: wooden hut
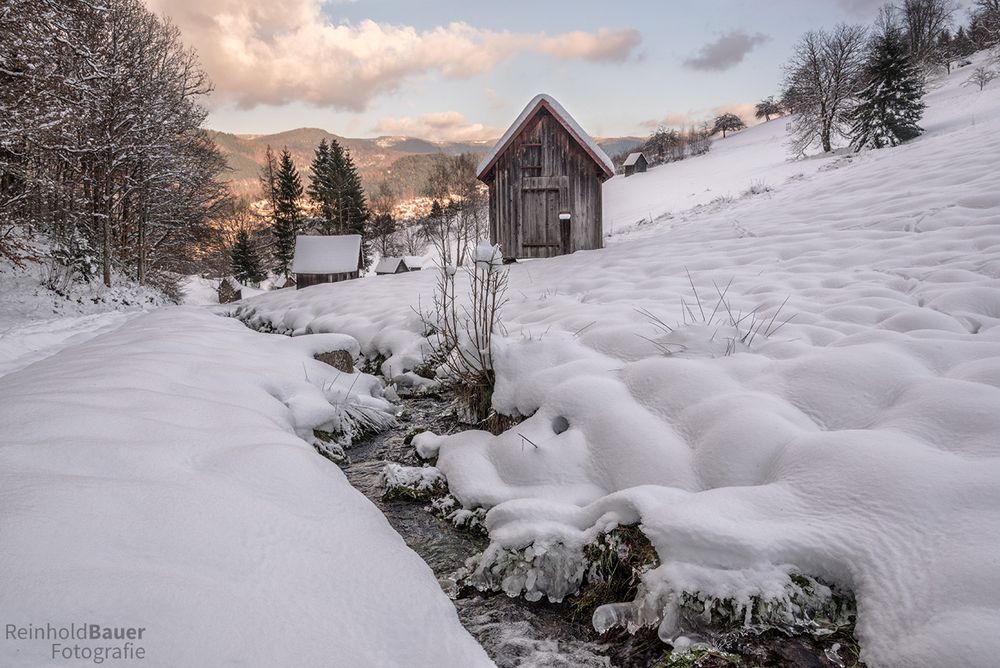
391 265
635 163
398 265
545 177
326 259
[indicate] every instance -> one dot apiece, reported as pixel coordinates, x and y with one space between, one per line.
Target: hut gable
548 103
545 177
326 259
413 262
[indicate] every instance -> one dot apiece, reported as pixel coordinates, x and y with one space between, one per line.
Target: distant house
545 177
321 259
398 265
635 163
390 265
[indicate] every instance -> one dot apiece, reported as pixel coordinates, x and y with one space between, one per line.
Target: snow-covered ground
157 476
36 321
857 443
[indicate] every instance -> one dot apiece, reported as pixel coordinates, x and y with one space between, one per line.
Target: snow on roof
568 122
326 255
633 158
388 265
413 261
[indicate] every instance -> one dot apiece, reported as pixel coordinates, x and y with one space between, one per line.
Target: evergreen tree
246 262
336 189
320 188
353 206
890 105
287 217
269 181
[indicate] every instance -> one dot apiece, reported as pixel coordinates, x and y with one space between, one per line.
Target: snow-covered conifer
890 106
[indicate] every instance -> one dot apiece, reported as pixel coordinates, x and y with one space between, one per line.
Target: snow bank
858 443
156 476
28 343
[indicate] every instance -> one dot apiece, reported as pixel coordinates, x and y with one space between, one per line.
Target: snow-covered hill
857 443
757 159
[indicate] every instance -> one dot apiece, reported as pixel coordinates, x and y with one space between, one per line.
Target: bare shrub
461 331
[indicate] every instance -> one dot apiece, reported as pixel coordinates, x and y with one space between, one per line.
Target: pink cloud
287 50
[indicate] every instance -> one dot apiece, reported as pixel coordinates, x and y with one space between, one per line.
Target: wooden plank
541 182
552 231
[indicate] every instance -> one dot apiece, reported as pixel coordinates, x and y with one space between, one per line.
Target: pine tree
353 206
322 188
245 260
336 189
287 217
890 106
269 181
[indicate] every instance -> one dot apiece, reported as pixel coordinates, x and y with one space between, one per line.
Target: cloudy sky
463 70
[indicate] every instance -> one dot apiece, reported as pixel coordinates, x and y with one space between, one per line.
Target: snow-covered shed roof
388 265
326 255
544 101
633 158
413 261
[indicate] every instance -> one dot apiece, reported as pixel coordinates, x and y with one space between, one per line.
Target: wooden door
542 199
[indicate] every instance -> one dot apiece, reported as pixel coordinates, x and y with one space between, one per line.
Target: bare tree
728 123
766 108
410 238
821 81
985 23
923 22
981 77
470 205
458 218
100 138
383 226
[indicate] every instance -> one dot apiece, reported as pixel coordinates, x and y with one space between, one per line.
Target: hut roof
543 101
326 255
633 158
388 265
413 261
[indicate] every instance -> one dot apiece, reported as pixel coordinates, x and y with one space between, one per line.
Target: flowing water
514 632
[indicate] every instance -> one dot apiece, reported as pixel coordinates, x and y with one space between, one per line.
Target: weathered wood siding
305 280
544 172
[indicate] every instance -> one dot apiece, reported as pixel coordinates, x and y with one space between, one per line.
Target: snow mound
157 476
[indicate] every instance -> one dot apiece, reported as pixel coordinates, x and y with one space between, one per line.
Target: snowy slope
155 476
858 443
758 158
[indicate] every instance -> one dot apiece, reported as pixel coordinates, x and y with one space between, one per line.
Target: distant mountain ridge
405 161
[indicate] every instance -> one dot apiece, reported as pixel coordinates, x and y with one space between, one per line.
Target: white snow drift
157 476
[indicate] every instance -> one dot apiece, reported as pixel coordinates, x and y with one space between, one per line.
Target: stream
513 631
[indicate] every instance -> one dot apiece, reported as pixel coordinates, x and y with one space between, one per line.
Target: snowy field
158 476
857 443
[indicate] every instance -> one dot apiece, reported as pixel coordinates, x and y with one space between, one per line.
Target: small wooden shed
398 265
391 265
326 259
545 177
635 163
